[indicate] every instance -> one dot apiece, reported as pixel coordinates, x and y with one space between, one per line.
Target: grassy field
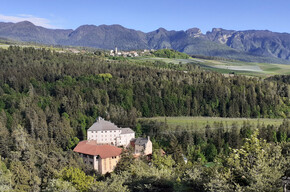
226 67
201 122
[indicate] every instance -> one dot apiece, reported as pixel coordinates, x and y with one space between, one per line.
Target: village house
112 53
103 158
106 132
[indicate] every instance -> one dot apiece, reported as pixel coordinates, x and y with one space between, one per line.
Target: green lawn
201 122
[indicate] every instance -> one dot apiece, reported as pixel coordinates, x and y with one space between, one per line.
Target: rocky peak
193 32
216 29
219 35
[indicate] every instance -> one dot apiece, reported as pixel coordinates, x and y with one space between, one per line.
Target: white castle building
106 132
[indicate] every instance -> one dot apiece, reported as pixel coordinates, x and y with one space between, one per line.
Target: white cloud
24 17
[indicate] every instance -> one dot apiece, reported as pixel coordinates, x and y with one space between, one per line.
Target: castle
102 149
106 132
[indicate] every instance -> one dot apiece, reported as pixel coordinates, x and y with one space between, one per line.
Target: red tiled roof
92 148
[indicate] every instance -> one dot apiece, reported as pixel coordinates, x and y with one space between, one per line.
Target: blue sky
149 15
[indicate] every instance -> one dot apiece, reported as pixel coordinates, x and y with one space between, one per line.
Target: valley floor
226 67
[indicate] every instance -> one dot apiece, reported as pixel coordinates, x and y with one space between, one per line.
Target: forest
170 53
48 100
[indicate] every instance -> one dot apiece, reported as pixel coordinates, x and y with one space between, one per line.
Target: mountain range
249 45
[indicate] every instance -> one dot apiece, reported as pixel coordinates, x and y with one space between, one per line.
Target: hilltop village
145 52
105 143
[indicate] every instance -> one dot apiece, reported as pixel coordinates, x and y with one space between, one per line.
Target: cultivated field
226 67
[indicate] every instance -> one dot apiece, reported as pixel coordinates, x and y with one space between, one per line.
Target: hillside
252 46
48 105
256 42
26 31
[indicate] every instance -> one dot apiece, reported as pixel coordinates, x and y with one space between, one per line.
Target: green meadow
200 122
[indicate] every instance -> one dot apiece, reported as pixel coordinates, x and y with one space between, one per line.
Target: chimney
99 119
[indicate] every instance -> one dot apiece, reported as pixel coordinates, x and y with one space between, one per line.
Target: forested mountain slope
127 85
26 31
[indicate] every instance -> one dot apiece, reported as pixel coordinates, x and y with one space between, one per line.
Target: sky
149 15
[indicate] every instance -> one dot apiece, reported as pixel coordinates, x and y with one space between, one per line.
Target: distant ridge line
249 45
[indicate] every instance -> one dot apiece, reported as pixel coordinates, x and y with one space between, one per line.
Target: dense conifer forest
48 100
